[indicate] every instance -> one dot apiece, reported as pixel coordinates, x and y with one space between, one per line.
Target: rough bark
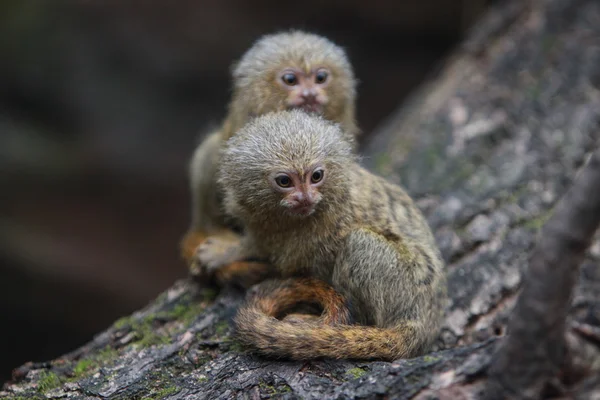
486 148
535 351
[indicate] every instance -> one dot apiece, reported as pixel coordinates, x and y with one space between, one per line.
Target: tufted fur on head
278 142
255 77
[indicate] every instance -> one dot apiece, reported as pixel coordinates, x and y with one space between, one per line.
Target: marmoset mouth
316 108
303 211
310 107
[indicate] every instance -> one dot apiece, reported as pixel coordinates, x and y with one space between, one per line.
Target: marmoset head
295 70
287 163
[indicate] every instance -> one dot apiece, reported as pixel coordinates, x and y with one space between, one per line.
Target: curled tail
257 326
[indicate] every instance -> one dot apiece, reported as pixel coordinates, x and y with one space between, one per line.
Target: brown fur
305 340
243 273
256 92
190 243
365 238
277 298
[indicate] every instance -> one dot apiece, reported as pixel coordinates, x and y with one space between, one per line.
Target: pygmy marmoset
312 212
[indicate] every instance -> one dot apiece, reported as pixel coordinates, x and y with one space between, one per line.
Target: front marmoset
312 211
280 71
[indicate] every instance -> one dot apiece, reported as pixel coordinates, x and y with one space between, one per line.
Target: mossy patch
160 327
431 359
106 354
145 328
183 313
158 384
179 311
48 380
221 328
274 389
122 322
164 392
209 295
356 372
538 222
236 346
145 334
82 366
87 366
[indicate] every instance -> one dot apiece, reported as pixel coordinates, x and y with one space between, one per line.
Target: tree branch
534 352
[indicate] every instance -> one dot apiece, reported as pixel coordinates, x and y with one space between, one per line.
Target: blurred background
101 105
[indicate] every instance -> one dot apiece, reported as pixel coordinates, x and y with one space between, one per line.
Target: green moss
269 389
157 384
186 314
123 322
208 295
236 346
203 359
87 366
162 298
538 222
145 335
48 380
148 320
179 311
221 328
107 354
148 337
166 392
431 359
202 379
82 366
356 372
274 390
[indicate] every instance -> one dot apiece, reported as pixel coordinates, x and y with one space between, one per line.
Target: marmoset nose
309 95
303 198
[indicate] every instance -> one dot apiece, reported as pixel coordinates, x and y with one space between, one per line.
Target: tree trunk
487 148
